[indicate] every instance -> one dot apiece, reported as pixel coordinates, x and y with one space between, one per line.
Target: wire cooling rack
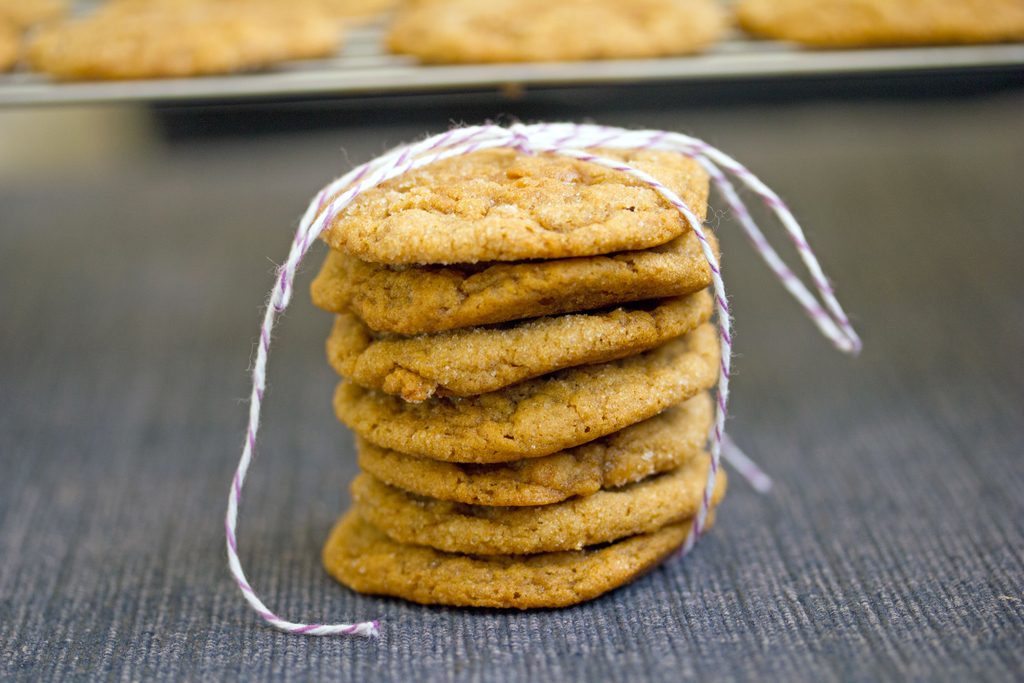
364 67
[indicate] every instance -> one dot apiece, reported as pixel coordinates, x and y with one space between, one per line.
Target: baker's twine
568 140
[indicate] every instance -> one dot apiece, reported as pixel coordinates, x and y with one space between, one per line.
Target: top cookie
501 205
540 30
860 23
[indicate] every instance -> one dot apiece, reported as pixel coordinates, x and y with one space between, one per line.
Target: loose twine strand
568 140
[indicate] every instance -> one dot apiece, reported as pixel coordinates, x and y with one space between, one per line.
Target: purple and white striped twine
569 140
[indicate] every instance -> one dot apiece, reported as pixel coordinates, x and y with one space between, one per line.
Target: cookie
863 23
10 46
572 524
366 560
539 416
333 9
169 41
21 14
661 443
474 361
354 9
434 299
503 205
540 30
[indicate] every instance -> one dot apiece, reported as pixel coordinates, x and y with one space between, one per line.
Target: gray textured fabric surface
891 548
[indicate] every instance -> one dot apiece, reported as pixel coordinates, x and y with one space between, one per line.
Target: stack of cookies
525 352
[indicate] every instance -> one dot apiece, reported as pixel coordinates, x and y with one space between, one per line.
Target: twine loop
568 140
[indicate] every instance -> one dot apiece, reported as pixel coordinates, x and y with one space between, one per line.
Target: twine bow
568 140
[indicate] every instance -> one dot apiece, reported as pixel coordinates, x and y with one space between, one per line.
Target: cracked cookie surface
502 205
468 362
572 524
366 560
434 299
539 416
658 444
468 31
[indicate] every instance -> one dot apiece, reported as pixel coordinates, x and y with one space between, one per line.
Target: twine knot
520 139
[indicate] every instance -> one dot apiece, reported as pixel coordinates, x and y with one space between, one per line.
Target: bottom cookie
367 561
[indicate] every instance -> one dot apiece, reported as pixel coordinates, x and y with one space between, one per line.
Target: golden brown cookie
862 23
169 41
541 30
10 46
333 9
572 524
502 205
474 361
661 443
354 9
366 560
434 299
21 14
539 416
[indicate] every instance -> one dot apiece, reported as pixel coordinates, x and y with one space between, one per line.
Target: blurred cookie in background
347 10
466 31
25 13
353 10
10 46
128 40
867 23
